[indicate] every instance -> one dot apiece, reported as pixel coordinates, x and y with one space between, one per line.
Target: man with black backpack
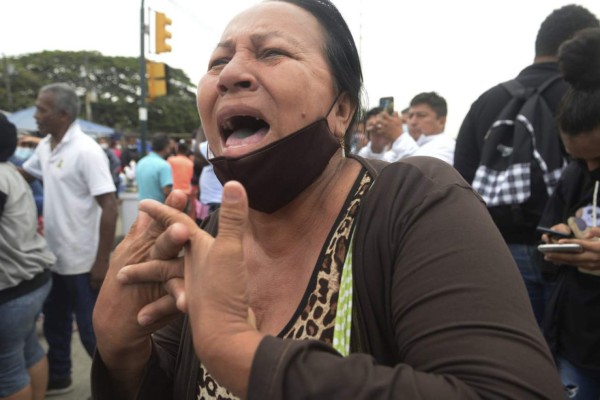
508 147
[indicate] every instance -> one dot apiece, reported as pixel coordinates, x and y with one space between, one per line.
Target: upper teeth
227 124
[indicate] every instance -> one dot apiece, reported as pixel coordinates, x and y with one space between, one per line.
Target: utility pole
143 110
8 71
88 97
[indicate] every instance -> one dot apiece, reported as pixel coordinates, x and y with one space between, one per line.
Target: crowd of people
58 233
299 247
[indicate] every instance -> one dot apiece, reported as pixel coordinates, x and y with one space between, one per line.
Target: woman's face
585 146
267 78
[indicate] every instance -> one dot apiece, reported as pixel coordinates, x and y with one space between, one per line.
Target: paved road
81 369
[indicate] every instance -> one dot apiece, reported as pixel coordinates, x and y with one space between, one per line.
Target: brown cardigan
440 310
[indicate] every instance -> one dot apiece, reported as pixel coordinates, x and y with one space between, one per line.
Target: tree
115 80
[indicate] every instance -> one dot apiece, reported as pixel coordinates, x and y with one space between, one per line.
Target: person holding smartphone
391 126
378 143
573 314
426 123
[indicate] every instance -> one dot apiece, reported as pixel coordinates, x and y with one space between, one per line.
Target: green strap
343 316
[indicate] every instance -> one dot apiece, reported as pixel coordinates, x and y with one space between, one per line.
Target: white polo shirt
404 146
439 146
73 173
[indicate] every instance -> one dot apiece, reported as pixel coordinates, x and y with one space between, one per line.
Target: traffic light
157 79
162 34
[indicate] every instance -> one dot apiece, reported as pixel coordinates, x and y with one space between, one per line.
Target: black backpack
522 158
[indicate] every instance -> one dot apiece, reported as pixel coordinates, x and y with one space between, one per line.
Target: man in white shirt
426 123
80 212
426 136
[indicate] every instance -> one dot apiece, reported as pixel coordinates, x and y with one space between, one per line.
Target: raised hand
216 298
119 302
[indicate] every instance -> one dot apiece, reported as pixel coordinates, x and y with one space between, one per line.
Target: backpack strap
548 82
516 88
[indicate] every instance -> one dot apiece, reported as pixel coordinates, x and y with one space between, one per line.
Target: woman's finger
169 244
151 271
176 288
158 312
164 214
178 226
177 199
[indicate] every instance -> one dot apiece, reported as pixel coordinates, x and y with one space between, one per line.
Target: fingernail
145 320
122 275
231 194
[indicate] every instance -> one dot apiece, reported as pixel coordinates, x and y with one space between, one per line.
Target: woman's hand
121 300
122 339
216 297
588 261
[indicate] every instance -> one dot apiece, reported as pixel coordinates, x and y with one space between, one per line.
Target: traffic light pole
143 110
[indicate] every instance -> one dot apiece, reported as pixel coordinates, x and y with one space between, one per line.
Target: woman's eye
219 62
272 53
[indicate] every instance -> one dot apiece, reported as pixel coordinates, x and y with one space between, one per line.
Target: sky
457 48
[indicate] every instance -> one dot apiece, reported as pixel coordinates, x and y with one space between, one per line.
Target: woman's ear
341 115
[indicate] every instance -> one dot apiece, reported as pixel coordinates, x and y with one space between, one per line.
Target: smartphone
387 104
560 248
554 233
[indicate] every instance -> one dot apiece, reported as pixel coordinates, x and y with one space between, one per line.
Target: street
81 368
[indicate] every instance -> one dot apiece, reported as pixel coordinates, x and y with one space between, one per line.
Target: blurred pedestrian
378 143
153 173
518 222
114 163
182 167
572 323
25 147
80 213
210 187
25 281
131 152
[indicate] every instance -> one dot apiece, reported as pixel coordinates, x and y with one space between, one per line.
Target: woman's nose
236 76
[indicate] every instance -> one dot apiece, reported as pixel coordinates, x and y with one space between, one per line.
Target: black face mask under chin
277 173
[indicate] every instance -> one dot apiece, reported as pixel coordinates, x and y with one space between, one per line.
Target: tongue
243 137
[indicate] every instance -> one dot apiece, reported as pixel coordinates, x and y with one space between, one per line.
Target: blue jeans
539 290
70 294
579 384
20 348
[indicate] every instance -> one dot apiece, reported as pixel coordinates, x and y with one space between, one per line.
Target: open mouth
243 130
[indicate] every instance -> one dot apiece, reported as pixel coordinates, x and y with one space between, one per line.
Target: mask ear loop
341 140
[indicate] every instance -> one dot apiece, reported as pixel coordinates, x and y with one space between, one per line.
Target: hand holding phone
560 248
553 233
387 104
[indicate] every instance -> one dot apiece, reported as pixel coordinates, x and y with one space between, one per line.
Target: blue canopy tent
24 121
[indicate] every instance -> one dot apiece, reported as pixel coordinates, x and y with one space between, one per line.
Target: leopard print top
315 316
